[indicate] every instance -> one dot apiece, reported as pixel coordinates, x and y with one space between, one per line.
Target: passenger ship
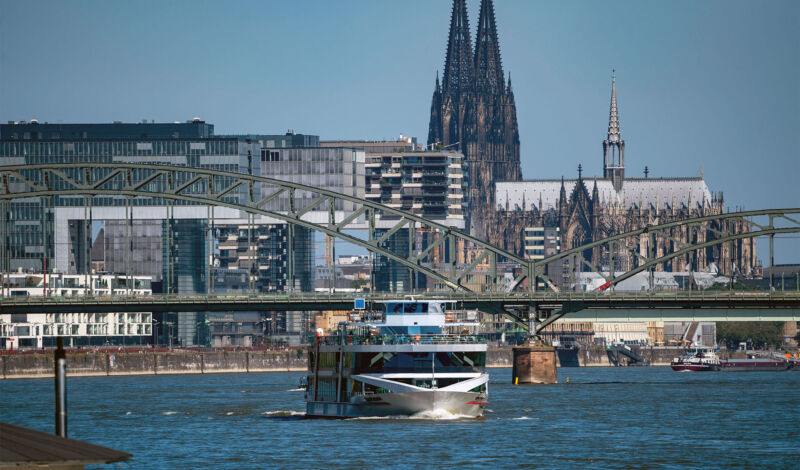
407 358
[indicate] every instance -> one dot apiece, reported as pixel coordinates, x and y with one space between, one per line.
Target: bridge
165 186
593 306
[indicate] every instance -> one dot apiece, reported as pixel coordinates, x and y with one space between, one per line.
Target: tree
760 333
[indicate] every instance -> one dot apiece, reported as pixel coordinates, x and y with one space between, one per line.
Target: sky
711 86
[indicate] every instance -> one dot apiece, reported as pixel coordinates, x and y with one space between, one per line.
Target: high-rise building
254 260
473 111
428 184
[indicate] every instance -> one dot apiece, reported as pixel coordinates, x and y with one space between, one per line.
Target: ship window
480 388
414 307
423 383
369 388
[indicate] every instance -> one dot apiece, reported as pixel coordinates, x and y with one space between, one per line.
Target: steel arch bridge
777 222
207 187
170 185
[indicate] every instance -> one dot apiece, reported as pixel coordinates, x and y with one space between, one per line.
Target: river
638 417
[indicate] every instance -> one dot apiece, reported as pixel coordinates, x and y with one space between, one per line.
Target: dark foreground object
535 364
26 448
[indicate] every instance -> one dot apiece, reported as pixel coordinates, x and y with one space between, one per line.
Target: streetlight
170 324
197 331
155 329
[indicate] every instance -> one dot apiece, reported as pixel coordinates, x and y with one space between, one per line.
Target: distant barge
706 360
753 365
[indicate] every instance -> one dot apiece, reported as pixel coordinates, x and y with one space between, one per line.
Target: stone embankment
40 365
594 356
17 366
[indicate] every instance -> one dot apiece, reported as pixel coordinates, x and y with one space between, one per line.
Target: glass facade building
336 169
57 233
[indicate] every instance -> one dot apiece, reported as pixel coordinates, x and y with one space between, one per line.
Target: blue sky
701 84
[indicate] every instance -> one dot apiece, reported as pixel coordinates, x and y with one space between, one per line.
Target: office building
402 144
60 233
39 330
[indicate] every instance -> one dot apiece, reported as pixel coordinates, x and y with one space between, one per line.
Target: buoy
516 380
567 379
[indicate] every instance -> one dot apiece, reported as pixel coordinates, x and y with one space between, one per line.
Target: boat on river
404 358
703 360
755 364
700 360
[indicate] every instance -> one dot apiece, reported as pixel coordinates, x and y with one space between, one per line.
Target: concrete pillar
535 364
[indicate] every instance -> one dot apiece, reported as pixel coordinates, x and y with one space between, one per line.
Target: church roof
649 192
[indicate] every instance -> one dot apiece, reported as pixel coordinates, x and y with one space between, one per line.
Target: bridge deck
675 306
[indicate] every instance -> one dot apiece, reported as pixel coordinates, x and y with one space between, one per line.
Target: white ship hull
427 404
416 363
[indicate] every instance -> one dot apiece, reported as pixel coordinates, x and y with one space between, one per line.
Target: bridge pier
535 363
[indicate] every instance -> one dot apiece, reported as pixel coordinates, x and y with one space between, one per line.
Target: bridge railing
451 296
399 339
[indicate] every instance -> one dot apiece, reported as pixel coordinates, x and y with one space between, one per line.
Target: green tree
760 333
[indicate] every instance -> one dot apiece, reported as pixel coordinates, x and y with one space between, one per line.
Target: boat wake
439 414
427 415
284 414
297 390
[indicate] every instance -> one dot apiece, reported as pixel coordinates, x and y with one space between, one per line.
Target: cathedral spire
614 146
613 116
458 65
488 65
437 89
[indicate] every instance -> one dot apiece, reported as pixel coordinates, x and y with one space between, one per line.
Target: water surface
645 417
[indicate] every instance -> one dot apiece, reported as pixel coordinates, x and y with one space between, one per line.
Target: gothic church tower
473 111
614 146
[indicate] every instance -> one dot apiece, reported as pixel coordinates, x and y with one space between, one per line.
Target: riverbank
153 363
149 362
144 362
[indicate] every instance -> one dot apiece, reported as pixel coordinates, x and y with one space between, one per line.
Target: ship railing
401 339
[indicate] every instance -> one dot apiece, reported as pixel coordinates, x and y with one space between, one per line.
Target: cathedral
584 210
473 111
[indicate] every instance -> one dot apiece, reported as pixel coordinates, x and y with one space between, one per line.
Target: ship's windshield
406 307
453 361
411 330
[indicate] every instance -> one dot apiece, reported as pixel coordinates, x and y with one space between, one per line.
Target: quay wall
17 366
594 356
40 365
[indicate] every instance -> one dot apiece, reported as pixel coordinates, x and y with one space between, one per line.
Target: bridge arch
218 188
768 229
